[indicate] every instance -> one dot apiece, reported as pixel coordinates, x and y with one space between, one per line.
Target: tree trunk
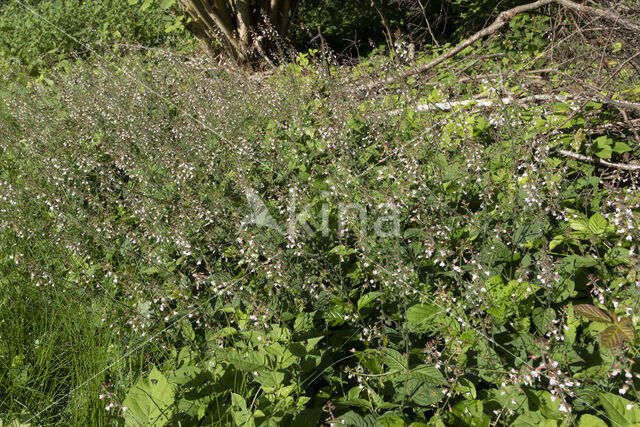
240 25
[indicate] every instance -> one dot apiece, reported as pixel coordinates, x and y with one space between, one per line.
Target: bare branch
596 161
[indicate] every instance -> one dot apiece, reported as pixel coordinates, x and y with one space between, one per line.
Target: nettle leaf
149 401
594 313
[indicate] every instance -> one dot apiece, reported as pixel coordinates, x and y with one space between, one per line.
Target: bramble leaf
594 313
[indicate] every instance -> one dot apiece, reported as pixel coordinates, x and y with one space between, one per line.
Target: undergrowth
185 244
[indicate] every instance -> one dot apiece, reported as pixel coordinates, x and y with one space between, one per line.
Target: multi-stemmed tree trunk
248 28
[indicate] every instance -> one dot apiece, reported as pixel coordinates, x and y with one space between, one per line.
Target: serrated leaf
611 337
626 330
594 313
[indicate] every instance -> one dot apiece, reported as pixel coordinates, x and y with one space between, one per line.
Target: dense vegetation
187 243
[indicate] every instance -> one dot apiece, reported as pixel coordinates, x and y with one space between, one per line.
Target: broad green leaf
471 413
557 241
225 332
542 318
166 4
304 322
419 316
425 373
149 270
598 224
578 224
390 421
594 313
616 408
149 402
617 255
621 147
602 147
588 420
393 359
368 299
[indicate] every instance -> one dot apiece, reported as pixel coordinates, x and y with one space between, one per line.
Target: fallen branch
484 102
596 161
502 19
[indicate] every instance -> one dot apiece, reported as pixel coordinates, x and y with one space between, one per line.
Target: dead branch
502 19
595 161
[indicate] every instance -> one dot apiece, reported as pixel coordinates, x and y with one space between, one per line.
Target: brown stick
595 161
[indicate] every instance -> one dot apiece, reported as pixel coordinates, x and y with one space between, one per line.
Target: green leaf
368 299
149 402
616 408
390 421
542 318
304 322
166 4
594 313
602 147
225 332
149 270
621 147
588 420
420 315
578 224
393 359
598 224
